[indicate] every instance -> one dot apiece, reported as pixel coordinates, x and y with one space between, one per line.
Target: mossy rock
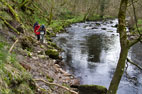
92 89
52 53
27 43
52 44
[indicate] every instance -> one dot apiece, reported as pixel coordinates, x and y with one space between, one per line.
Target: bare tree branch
134 64
13 45
73 92
133 42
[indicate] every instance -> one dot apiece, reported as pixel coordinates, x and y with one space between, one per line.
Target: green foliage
3 53
140 22
52 53
59 25
49 78
39 19
94 17
140 25
65 14
5 15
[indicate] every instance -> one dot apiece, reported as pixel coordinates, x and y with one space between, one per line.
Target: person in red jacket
36 30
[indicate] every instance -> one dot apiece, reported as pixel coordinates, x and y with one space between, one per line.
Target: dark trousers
38 37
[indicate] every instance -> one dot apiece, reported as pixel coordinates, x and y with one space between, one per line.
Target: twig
13 45
42 89
73 92
134 64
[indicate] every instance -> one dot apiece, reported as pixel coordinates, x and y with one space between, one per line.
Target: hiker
36 30
42 31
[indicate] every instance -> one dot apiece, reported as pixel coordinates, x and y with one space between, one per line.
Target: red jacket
36 30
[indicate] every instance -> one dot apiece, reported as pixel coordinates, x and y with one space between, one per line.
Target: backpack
35 24
42 30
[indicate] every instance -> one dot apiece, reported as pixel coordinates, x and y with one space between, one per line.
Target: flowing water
91 52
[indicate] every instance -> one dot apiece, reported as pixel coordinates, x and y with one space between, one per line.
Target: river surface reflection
91 52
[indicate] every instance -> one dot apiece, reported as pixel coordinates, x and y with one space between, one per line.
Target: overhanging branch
134 64
132 42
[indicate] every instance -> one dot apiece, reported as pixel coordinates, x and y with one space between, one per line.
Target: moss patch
92 89
49 78
52 53
27 43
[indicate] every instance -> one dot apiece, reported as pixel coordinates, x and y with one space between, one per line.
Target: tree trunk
124 48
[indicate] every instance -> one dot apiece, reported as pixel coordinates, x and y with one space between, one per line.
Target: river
91 52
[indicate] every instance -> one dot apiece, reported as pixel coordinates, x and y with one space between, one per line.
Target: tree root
13 45
72 92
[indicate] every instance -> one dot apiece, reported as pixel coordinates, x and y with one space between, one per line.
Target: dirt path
42 67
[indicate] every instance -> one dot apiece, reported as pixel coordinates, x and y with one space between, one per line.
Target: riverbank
42 61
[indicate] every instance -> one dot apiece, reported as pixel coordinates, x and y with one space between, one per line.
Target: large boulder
52 53
27 42
91 89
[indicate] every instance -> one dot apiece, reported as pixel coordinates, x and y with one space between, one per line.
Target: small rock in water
111 22
94 28
85 26
109 31
98 24
103 28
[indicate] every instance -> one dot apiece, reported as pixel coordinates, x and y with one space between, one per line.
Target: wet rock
103 28
111 22
94 28
116 25
90 25
85 26
98 24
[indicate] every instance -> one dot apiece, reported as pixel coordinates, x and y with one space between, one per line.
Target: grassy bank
14 79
